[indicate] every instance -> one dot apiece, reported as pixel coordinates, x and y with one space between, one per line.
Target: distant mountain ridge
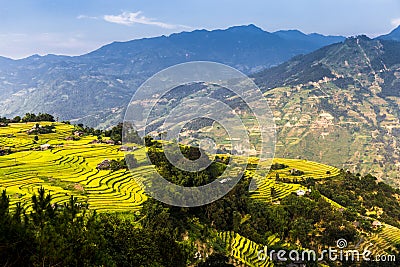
393 35
95 88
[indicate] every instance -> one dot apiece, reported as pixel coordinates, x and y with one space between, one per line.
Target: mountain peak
248 28
297 35
292 31
358 37
393 35
396 30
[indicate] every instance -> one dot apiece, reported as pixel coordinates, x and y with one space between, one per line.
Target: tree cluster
362 194
39 129
31 117
69 235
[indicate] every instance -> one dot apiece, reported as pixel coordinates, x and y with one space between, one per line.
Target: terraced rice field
69 168
310 168
244 250
390 233
382 243
281 189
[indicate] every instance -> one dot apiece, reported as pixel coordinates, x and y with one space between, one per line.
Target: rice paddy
68 168
245 251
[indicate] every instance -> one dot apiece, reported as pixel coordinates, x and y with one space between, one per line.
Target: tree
273 192
16 119
29 117
42 208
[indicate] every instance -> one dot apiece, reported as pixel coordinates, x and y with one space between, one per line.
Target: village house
78 133
109 142
45 147
104 165
127 148
376 224
300 192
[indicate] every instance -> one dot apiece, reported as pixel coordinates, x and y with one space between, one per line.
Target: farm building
104 165
45 147
376 224
127 148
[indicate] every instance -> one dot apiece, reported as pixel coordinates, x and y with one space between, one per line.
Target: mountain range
95 88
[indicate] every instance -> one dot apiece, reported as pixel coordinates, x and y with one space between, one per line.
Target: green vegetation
365 195
69 235
31 117
59 207
38 129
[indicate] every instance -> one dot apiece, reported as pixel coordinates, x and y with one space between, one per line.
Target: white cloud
86 17
395 22
130 18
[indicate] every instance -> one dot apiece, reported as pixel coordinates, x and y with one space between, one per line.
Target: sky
75 27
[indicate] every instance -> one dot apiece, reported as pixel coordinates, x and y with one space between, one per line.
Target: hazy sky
74 27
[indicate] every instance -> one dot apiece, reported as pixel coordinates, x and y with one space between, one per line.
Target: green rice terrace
68 167
65 162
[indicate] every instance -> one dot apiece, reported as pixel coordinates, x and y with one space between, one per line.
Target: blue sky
74 27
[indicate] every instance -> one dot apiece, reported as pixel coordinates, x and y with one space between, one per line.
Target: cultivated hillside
340 105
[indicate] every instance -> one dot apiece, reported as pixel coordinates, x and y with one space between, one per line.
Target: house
127 148
78 133
376 224
110 142
104 165
224 180
45 147
300 192
296 172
